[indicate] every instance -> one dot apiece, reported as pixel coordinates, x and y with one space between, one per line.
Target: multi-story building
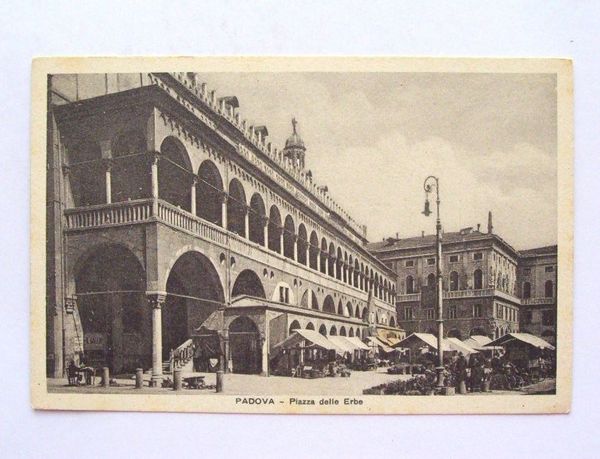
537 276
489 288
172 221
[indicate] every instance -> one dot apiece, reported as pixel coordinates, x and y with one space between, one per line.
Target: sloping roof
314 337
431 341
358 343
477 341
377 342
342 342
527 338
426 241
458 345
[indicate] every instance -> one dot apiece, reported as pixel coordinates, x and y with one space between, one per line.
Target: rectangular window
409 263
431 261
478 256
429 314
453 258
477 310
549 269
452 312
548 318
284 295
527 271
408 313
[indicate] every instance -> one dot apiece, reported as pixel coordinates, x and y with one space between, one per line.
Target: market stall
306 353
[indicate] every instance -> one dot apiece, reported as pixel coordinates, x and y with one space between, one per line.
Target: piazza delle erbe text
187 253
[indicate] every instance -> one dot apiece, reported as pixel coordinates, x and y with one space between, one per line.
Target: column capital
156 299
224 196
70 304
108 163
154 157
66 169
264 220
195 179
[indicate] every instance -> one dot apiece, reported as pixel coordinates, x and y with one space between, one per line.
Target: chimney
422 233
396 235
490 225
478 227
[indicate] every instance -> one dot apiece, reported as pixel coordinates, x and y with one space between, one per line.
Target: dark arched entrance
295 325
244 346
175 174
257 218
110 287
236 208
193 292
248 283
209 193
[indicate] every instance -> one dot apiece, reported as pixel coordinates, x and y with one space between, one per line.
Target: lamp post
429 183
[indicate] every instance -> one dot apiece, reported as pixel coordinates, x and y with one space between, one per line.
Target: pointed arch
328 305
314 250
323 330
302 244
342 331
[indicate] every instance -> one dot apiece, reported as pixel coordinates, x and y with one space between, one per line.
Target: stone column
281 229
326 261
154 189
193 194
318 260
224 209
247 222
156 301
295 247
265 222
334 264
108 179
307 253
264 345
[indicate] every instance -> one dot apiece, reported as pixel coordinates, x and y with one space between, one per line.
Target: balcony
538 301
146 211
458 294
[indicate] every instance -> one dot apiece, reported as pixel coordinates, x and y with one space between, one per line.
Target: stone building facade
483 282
174 224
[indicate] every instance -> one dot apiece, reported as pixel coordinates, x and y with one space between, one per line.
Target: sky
373 138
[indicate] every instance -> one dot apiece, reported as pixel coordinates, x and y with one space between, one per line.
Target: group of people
474 372
80 374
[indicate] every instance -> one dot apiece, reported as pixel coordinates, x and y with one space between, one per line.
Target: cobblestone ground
252 384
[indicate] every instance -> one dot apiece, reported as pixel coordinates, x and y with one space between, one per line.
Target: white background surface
553 29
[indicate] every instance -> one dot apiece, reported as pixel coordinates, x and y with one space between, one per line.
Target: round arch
333 331
309 300
323 330
314 250
86 175
275 229
302 244
324 248
340 308
175 173
310 326
129 171
209 193
289 235
351 332
248 283
349 310
236 208
244 346
328 305
256 217
194 291
340 263
110 286
342 331
295 325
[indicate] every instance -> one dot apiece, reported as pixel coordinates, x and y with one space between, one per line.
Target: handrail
183 353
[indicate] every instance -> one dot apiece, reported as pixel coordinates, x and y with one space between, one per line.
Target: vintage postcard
302 235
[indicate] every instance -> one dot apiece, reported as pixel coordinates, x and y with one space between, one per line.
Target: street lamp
429 183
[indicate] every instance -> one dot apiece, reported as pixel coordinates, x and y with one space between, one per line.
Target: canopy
374 341
358 343
431 341
477 341
526 338
458 345
343 343
314 337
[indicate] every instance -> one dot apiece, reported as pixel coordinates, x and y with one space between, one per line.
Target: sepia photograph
311 235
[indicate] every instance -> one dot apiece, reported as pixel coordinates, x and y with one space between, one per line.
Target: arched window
328 305
295 325
324 255
410 284
453 281
431 280
549 289
478 279
314 251
302 244
174 173
526 290
323 330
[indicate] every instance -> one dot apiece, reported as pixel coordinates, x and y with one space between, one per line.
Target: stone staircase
181 358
